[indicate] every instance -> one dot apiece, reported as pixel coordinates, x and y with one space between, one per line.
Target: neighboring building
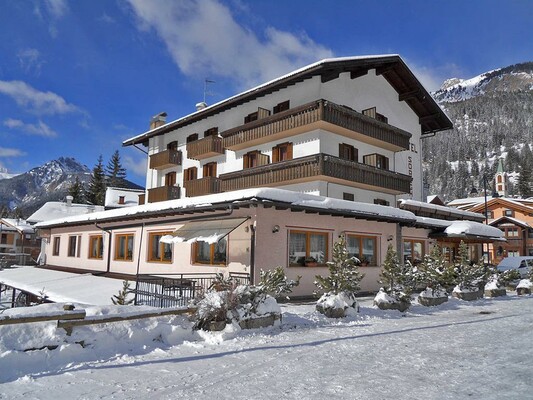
18 241
328 150
58 209
121 197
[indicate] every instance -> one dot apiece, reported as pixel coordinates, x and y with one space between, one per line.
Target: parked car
522 264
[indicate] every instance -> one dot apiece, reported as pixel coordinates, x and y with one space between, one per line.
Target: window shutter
275 154
245 161
289 151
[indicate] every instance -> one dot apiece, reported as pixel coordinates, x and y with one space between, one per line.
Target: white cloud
34 100
57 8
7 152
38 129
433 78
137 166
30 61
204 39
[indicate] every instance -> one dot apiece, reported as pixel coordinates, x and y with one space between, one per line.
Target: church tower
501 180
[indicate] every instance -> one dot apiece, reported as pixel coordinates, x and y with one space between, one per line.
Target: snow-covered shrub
436 274
398 281
341 285
275 283
248 306
524 287
471 276
122 297
494 287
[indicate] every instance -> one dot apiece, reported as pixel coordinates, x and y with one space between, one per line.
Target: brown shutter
245 161
275 154
289 151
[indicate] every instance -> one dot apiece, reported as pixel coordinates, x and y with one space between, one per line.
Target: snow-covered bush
398 281
524 287
494 287
436 274
248 306
471 276
275 283
341 285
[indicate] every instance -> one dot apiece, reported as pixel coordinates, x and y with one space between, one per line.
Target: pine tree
398 280
121 299
435 271
77 191
524 180
344 275
469 275
97 185
115 173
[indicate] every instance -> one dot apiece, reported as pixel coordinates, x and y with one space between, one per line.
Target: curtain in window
352 245
369 248
317 244
297 251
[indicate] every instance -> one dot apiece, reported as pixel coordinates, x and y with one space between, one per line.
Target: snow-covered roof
61 286
53 210
130 197
467 201
364 210
19 225
469 228
370 61
435 209
512 220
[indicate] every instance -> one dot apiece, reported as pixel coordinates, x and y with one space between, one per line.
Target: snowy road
479 350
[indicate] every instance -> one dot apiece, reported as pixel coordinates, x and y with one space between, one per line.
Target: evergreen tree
77 191
524 181
398 280
115 173
121 299
435 272
97 185
344 275
469 275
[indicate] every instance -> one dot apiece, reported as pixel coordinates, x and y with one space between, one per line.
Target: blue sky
79 77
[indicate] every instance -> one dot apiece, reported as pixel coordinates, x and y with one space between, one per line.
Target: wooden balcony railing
318 166
202 186
163 193
204 148
314 115
165 159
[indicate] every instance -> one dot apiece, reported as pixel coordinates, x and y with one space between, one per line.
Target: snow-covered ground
478 350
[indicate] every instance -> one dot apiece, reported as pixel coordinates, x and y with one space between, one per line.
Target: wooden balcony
165 159
163 193
142 199
202 186
318 167
204 148
320 114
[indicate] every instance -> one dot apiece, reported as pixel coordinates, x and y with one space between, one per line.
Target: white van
522 264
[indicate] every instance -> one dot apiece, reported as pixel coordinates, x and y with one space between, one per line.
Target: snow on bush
435 273
397 280
470 276
524 284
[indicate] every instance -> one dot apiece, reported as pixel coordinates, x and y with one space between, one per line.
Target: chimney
68 200
201 105
158 120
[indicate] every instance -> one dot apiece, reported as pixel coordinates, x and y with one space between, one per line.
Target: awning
203 231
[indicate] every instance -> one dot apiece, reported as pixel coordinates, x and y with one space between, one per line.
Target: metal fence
9 259
177 290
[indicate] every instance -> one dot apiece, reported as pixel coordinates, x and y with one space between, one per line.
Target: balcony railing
204 148
319 166
202 186
163 193
314 115
165 159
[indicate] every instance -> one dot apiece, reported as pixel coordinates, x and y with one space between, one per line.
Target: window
508 213
211 132
376 160
348 196
213 254
511 232
121 199
371 112
490 214
192 138
282 152
57 241
413 251
172 146
74 244
210 169
254 159
308 248
190 174
347 152
362 247
250 117
499 179
158 251
124 247
281 107
96 247
170 179
381 202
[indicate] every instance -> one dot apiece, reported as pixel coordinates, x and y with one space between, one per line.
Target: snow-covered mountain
6 175
493 118
514 78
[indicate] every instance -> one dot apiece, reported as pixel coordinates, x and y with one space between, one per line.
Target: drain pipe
108 266
252 254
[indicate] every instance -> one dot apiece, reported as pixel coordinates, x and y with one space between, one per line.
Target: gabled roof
513 221
422 209
392 67
511 204
19 225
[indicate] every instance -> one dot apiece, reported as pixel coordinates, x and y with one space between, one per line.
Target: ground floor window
210 253
413 251
362 247
96 247
57 242
159 251
124 247
308 248
74 245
